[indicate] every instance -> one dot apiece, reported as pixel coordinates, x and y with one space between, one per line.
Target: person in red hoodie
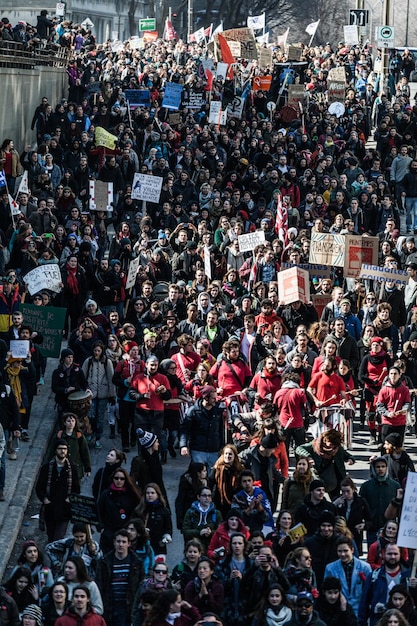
220 542
392 404
266 317
266 383
80 612
291 403
149 389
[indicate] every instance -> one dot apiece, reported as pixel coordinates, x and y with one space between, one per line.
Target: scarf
303 480
72 281
49 479
376 358
381 325
13 371
276 617
171 617
226 481
113 487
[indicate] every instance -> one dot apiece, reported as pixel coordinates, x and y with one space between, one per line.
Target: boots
112 431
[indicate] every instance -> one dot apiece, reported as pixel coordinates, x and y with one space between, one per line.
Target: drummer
66 379
326 387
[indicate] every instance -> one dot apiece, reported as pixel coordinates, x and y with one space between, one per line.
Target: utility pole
190 19
386 20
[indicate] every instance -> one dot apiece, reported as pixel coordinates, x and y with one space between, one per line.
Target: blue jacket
359 567
376 592
352 325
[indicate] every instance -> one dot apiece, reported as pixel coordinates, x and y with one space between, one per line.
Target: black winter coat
203 430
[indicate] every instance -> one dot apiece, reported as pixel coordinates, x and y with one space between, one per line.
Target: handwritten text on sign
146 187
327 249
248 242
407 533
44 277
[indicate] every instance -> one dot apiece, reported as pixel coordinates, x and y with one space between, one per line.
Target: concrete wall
20 93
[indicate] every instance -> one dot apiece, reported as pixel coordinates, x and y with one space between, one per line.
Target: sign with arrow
358 17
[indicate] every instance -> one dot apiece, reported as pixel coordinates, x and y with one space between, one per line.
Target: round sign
271 106
337 108
386 32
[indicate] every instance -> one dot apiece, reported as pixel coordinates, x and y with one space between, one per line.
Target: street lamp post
190 19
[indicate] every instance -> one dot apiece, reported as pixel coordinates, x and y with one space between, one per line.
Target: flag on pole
282 40
227 56
218 30
14 206
263 38
23 187
198 36
169 31
312 27
256 22
281 221
208 31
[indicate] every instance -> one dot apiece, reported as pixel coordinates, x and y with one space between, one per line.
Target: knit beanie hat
316 484
66 352
34 612
269 441
146 439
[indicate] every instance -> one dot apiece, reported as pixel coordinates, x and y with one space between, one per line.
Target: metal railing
19 56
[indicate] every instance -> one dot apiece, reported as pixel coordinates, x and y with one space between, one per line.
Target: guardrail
16 55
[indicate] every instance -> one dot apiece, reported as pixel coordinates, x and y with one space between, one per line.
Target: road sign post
358 17
148 23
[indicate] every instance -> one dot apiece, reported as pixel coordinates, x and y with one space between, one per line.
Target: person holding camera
220 542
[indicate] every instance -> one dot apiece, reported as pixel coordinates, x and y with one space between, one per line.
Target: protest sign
336 92
261 82
247 41
104 138
138 98
320 302
294 53
133 270
19 348
407 532
146 187
327 249
49 322
350 35
235 108
248 242
338 74
293 285
382 274
150 35
295 95
359 251
193 99
221 70
315 270
101 195
44 277
265 57
174 118
172 96
235 48
215 112
83 509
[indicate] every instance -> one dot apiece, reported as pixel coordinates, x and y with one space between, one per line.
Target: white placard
248 242
215 112
350 35
146 187
44 277
60 9
235 108
207 264
19 348
407 532
133 270
221 70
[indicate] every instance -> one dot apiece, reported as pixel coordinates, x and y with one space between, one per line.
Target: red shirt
326 386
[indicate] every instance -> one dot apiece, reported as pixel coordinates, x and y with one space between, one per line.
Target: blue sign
172 96
138 98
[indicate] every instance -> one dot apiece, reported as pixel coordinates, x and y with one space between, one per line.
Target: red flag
169 34
281 221
227 56
210 77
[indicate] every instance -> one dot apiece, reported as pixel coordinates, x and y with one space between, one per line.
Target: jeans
411 213
208 458
96 415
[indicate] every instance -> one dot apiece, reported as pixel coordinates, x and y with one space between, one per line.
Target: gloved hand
134 395
166 538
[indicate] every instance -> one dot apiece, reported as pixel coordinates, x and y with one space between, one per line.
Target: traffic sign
385 38
87 24
358 17
60 9
148 23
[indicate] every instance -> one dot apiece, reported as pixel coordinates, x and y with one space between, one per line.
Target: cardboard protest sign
101 195
320 302
172 96
359 251
235 48
327 249
382 274
407 532
133 270
44 277
174 118
248 242
295 95
138 98
247 41
49 322
335 92
294 53
315 270
19 348
338 74
104 138
146 187
293 285
265 57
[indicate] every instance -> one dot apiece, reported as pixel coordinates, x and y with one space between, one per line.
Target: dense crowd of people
201 357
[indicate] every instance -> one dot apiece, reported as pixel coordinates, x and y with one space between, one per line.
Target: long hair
391 613
260 617
143 505
129 484
219 473
160 608
82 575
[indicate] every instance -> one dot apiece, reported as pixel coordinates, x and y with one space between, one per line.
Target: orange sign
262 83
150 35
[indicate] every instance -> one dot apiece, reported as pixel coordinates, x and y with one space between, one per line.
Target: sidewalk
21 475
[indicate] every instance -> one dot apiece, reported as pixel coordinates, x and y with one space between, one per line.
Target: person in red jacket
80 613
232 373
150 389
291 403
266 317
266 383
392 404
186 359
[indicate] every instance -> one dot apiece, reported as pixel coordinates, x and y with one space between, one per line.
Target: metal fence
16 55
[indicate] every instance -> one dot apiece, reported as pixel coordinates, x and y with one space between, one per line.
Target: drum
79 402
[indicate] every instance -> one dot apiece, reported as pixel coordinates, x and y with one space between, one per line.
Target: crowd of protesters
201 358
